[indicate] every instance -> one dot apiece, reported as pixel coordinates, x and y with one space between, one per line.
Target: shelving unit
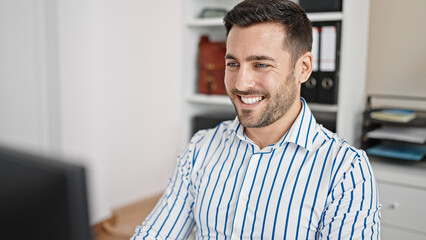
348 112
401 183
402 193
405 142
370 124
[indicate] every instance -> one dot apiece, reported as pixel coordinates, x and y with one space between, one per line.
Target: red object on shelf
211 67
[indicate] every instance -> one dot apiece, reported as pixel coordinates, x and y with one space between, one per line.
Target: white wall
110 93
25 92
397 50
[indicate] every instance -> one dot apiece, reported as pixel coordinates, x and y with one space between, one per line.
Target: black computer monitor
42 198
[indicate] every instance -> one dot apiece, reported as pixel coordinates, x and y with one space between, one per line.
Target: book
394 115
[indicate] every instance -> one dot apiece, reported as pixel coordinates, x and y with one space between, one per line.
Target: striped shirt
309 185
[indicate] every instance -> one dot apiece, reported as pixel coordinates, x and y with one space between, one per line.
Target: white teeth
251 100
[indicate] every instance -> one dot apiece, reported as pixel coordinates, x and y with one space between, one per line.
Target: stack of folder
397 141
399 151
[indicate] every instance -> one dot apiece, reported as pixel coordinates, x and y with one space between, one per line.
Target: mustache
249 92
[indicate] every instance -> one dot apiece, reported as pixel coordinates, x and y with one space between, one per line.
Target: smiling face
259 77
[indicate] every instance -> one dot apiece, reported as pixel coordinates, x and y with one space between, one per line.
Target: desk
124 220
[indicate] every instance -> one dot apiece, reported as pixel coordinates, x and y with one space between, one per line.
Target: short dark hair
293 18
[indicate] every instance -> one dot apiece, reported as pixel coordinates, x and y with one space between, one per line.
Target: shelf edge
218 22
323 107
209 99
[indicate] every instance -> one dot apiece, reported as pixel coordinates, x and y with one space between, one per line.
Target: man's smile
251 100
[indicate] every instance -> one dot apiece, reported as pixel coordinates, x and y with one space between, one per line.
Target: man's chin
247 120
248 117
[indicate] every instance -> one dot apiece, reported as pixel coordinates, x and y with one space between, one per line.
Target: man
273 172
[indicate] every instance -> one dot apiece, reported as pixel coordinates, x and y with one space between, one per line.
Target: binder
322 85
329 63
309 89
321 5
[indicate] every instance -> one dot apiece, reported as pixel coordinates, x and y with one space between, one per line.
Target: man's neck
271 134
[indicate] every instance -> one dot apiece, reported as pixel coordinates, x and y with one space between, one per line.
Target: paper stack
394 115
403 134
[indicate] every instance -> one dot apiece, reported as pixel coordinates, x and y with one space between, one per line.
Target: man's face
259 76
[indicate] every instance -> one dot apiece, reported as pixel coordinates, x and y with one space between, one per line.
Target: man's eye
232 64
261 65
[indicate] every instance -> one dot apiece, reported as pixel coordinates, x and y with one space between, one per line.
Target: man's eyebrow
229 56
260 58
252 58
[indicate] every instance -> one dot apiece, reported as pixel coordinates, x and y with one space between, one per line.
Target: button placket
244 193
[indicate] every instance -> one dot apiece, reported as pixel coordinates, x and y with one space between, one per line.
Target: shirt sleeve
354 209
172 217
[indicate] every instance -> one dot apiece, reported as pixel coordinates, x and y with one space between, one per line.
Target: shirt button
244 198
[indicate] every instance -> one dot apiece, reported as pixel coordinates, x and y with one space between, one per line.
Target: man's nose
245 79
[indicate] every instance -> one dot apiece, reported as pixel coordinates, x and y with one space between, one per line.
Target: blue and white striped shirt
309 185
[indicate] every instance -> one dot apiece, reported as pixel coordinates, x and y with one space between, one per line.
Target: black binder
321 5
322 86
329 62
309 90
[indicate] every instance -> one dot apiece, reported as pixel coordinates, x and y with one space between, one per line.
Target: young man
273 172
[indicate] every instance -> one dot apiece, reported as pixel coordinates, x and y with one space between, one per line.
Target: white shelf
332 108
218 22
206 22
210 99
327 16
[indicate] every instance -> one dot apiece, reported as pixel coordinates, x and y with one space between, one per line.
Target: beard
277 104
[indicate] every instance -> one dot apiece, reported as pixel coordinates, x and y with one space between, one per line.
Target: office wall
397 50
121 92
99 82
25 87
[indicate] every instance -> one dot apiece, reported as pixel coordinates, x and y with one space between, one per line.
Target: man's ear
304 67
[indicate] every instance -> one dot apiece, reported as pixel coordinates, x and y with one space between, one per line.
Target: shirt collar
237 128
302 132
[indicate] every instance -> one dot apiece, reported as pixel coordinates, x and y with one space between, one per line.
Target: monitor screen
42 198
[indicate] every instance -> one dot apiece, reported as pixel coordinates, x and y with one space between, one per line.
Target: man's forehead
260 30
256 42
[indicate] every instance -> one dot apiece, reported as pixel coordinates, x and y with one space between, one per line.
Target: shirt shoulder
326 136
206 138
345 161
341 153
203 136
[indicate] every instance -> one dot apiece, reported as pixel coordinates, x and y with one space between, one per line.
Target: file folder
398 151
322 85
321 5
329 63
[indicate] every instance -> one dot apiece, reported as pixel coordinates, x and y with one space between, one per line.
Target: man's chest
281 193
